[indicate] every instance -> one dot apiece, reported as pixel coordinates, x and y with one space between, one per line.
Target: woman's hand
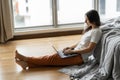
66 48
68 51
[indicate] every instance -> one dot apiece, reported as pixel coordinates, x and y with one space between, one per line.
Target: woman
91 36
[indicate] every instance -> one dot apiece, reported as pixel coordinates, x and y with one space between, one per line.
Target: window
109 8
32 13
102 7
29 13
118 5
72 11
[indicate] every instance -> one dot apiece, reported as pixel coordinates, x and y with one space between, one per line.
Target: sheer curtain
6 21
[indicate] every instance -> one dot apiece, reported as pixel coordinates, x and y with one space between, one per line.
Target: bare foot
23 64
20 57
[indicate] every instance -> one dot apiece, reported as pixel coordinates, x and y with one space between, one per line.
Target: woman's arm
88 49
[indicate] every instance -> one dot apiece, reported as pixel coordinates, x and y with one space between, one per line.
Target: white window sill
47 29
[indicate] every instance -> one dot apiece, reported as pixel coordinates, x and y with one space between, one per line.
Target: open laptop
62 55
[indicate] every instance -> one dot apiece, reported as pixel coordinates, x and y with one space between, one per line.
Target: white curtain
6 21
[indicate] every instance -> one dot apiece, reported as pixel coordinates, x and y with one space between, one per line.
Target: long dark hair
94 18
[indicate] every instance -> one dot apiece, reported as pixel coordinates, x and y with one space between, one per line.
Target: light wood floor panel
9 70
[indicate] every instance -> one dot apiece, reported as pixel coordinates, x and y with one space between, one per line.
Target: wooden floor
9 70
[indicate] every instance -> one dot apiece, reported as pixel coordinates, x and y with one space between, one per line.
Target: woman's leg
50 60
55 60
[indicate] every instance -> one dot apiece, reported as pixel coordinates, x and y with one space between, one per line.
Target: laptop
62 55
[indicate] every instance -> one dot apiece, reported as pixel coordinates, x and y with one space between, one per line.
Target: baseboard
49 34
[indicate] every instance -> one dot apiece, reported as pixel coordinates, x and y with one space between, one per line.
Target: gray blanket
106 62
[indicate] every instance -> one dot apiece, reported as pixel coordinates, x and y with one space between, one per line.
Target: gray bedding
106 64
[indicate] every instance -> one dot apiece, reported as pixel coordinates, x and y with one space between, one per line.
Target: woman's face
87 21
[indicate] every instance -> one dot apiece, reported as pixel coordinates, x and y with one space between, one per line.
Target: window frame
55 22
